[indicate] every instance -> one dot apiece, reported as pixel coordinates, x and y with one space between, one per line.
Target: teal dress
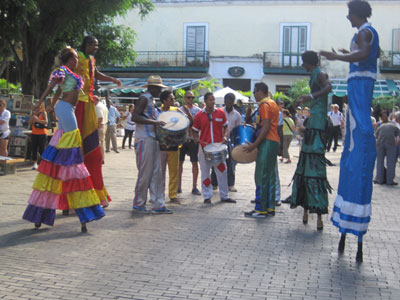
310 185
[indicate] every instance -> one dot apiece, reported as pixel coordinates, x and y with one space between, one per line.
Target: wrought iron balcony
283 63
166 61
389 62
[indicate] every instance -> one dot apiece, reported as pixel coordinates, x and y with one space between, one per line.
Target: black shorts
191 149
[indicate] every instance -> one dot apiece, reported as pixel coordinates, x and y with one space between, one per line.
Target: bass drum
173 133
240 136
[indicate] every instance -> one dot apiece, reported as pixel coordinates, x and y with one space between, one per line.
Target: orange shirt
39 131
269 110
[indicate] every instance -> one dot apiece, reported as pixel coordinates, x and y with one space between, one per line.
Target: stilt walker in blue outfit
352 209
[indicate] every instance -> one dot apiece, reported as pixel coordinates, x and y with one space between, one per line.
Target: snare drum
173 133
216 153
240 136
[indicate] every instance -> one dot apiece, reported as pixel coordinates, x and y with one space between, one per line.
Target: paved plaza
200 252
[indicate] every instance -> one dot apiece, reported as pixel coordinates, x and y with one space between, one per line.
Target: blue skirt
352 208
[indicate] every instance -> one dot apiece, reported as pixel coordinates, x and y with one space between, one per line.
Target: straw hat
154 80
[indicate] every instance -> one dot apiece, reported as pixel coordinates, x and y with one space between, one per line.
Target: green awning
381 88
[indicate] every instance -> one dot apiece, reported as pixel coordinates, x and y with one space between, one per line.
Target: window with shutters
295 39
196 42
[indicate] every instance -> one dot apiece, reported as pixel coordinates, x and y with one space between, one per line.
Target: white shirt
5 128
234 119
130 125
102 112
336 118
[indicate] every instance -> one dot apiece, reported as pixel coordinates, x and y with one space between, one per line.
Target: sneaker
207 201
179 191
255 214
232 189
162 210
141 209
228 200
196 192
35 166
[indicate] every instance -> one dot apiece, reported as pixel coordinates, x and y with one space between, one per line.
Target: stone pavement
199 252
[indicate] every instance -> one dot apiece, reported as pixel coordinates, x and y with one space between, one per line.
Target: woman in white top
5 116
130 126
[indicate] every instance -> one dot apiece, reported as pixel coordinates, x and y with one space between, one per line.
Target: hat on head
154 80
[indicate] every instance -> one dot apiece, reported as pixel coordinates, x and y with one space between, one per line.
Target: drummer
212 125
147 151
267 143
234 119
170 154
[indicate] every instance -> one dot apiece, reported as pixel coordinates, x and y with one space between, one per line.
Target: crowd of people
70 171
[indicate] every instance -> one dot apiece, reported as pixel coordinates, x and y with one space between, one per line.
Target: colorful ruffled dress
63 177
310 184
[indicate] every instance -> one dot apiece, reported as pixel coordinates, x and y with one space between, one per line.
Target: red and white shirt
210 126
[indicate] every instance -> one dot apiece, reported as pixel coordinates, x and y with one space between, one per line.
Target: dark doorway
238 84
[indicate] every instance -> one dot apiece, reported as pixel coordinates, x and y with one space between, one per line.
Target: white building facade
243 42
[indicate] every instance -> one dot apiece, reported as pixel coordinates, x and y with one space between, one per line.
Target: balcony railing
389 62
283 63
172 59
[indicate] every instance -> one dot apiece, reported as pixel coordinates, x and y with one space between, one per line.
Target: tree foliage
44 27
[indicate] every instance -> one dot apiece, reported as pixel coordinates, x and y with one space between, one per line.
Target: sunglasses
190 97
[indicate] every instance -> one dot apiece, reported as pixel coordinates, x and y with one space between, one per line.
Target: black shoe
65 212
287 200
196 192
207 201
37 225
83 228
393 183
228 200
278 203
253 201
377 182
116 151
179 191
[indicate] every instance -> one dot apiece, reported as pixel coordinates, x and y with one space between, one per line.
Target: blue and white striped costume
352 209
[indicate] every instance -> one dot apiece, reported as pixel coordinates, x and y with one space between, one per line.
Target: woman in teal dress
310 184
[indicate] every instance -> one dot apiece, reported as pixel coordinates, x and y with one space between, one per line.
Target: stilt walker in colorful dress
63 176
310 185
86 115
352 209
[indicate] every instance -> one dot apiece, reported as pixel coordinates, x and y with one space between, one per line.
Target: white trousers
220 171
149 173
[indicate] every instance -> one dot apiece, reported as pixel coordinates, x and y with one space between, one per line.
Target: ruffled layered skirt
310 184
63 181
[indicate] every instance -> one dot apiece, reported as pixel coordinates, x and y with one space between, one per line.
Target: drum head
175 121
242 157
215 147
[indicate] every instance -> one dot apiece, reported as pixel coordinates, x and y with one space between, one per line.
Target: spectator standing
129 127
38 121
190 147
287 130
102 119
111 133
5 116
337 121
386 136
